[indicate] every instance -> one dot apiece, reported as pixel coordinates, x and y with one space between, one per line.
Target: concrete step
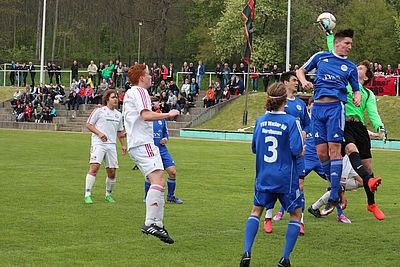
176 125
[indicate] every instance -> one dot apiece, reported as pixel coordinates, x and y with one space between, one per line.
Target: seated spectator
37 113
88 94
74 82
185 90
190 102
96 96
82 94
171 97
16 96
82 82
19 112
111 84
174 88
73 101
181 100
45 115
239 86
59 94
27 112
218 94
164 97
389 70
194 88
226 94
48 102
164 107
209 99
103 86
175 105
53 113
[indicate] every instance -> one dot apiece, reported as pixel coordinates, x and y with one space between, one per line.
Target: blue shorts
166 158
313 164
328 122
300 167
289 202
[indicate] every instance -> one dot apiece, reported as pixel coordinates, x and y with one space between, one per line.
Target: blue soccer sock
292 233
339 210
326 165
250 232
146 187
336 175
303 201
171 187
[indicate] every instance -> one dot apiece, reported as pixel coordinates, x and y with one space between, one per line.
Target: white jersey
107 121
139 132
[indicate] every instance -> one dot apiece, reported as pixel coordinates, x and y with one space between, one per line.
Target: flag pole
246 96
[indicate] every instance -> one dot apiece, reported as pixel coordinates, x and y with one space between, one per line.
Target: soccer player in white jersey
277 143
350 181
106 126
139 118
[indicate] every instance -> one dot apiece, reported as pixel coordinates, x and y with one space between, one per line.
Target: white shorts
347 172
106 153
147 158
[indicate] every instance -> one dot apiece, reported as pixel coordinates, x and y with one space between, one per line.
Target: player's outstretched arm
301 75
148 115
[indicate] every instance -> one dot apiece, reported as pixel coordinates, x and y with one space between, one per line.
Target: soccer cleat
301 229
268 226
158 232
329 207
343 219
373 184
245 261
284 262
376 211
88 200
175 200
278 216
134 168
110 199
314 212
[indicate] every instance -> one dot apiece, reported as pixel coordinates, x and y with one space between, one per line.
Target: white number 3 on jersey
272 144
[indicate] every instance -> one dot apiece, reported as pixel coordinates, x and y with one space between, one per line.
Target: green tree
375 35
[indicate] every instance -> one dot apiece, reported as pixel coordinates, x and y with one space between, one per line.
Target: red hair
135 72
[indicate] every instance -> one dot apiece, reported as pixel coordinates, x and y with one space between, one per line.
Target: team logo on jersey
298 107
326 60
343 68
159 122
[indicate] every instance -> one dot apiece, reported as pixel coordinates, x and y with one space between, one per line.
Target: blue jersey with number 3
276 141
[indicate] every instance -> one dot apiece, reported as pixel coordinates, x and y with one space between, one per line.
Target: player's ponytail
276 97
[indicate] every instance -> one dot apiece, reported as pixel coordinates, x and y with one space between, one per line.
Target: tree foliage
188 30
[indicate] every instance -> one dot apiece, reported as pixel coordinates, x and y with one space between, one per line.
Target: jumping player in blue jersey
277 143
334 71
297 108
160 140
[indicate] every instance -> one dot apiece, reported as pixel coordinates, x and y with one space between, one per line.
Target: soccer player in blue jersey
277 143
160 140
334 71
297 108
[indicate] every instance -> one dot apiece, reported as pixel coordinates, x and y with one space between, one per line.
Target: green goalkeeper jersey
368 101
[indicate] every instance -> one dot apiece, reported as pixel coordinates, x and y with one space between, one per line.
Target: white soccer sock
268 213
322 201
155 205
302 218
351 184
90 179
109 185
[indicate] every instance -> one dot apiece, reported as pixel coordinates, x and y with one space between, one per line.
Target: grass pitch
44 221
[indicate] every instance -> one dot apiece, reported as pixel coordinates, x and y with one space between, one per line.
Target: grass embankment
231 117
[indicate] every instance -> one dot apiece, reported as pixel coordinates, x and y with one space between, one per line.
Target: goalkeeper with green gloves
357 143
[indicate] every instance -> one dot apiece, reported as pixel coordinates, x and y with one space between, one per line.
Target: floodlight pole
288 38
138 57
43 39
